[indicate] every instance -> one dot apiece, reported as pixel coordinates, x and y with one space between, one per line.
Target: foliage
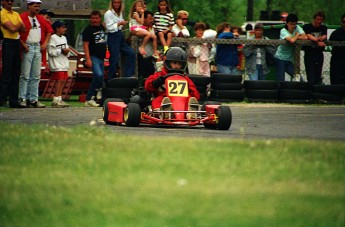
91 176
234 11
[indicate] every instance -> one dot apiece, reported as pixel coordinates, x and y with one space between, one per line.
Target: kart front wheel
224 117
132 115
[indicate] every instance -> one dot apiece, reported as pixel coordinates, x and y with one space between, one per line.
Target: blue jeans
258 74
30 73
97 81
117 44
282 67
227 69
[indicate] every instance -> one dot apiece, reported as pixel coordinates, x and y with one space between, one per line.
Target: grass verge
88 176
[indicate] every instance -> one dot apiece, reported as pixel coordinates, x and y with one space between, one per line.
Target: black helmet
175 54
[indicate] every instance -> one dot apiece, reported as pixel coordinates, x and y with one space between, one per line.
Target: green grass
91 176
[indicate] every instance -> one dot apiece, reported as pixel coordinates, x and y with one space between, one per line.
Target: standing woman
114 22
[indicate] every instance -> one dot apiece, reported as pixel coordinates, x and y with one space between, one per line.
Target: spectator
256 65
95 48
33 41
137 28
226 54
145 65
209 33
175 62
199 53
48 15
313 55
114 21
58 51
285 53
179 29
163 22
338 55
11 25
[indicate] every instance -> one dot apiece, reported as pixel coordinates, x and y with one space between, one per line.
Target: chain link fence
298 62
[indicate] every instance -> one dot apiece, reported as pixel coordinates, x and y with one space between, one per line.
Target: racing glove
158 82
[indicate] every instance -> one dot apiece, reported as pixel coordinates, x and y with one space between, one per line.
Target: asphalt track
250 121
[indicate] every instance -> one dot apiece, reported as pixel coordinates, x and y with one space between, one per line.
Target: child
58 52
285 53
137 28
199 53
175 62
163 22
256 65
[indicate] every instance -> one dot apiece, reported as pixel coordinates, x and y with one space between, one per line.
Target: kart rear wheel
132 115
224 118
106 109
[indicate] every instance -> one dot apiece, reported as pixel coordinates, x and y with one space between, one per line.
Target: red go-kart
211 114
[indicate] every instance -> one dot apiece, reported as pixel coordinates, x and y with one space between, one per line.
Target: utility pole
250 10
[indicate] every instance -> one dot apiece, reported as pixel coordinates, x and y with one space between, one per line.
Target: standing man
11 25
95 48
313 55
33 41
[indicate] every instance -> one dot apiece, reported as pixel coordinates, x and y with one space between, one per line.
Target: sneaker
166 48
57 104
99 94
36 104
166 106
64 104
17 104
193 105
91 103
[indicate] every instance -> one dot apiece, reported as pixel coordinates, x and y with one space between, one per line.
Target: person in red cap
33 41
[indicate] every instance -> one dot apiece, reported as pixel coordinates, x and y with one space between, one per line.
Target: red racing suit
159 93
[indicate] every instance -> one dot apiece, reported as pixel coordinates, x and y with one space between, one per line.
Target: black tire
105 111
294 94
224 117
199 80
123 82
328 98
132 115
330 89
226 86
262 100
117 92
227 94
201 88
260 84
226 78
261 94
295 85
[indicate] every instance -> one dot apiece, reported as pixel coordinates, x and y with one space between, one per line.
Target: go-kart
212 115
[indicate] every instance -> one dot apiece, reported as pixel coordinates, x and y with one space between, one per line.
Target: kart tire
210 126
261 94
105 111
261 84
224 118
226 78
132 115
338 89
294 94
123 82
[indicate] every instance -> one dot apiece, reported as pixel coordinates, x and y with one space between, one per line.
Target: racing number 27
178 88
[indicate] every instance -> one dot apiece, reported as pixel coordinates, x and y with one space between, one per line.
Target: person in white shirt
117 45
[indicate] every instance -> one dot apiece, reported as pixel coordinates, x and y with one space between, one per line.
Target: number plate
177 88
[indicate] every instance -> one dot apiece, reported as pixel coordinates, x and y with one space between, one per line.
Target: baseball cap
58 23
34 1
46 12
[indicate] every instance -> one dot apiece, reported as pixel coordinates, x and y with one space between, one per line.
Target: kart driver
175 62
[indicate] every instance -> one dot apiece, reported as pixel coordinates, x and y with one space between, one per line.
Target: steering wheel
173 74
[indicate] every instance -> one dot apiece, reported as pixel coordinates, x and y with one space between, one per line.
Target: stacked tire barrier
295 92
121 88
202 83
261 90
226 88
332 94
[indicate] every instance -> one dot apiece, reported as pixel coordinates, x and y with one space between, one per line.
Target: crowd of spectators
30 35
